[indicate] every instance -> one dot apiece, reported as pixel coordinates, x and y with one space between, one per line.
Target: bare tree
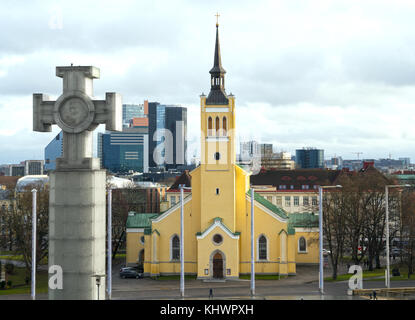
126 199
407 230
21 224
334 227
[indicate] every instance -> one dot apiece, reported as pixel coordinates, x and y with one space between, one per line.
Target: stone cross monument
77 186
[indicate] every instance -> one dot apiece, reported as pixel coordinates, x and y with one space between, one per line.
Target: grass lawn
366 275
5 252
375 274
18 282
19 257
11 256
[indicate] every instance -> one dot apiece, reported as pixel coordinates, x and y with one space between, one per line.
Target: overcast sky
336 75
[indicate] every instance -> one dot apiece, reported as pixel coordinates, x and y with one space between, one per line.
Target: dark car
130 272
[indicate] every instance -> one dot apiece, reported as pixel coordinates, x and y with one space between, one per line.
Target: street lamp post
182 187
387 229
98 282
320 224
252 245
109 258
34 220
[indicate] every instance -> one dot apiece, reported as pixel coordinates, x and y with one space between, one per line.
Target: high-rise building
52 151
33 167
167 128
406 162
130 111
266 150
5 170
153 129
308 158
249 149
125 151
17 170
278 161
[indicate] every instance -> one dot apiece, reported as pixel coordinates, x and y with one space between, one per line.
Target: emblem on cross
77 114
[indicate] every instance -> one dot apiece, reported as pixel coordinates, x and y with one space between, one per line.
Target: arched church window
224 126
210 126
175 248
217 125
262 248
302 245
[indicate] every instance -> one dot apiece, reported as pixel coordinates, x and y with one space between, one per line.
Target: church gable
217 223
172 210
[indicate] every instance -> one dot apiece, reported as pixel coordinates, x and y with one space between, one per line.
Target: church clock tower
218 148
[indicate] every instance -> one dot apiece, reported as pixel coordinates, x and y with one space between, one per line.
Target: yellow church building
217 211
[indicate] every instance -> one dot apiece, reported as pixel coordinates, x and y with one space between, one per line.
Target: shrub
2 284
9 283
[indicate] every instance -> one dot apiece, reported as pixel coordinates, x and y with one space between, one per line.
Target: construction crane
358 153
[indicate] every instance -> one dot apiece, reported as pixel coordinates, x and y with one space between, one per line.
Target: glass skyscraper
174 119
125 151
52 151
130 111
309 158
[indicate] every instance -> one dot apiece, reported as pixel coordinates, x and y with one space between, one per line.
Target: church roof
185 178
270 206
303 220
217 94
140 220
217 61
297 178
218 222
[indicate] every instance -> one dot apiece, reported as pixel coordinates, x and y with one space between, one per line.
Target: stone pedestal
77 232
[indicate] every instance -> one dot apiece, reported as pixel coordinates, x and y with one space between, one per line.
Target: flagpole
33 289
109 261
252 245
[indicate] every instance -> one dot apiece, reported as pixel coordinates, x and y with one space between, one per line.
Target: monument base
77 233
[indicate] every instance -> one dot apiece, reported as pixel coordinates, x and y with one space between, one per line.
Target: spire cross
217 18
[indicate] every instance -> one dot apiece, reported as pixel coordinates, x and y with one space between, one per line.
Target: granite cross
77 115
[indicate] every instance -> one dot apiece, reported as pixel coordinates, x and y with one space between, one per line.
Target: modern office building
167 128
406 162
249 149
266 150
152 128
130 111
123 152
17 170
309 158
252 151
24 168
33 167
52 151
5 170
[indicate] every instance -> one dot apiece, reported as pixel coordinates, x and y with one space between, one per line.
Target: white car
326 252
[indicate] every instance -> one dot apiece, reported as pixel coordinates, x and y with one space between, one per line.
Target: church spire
217 93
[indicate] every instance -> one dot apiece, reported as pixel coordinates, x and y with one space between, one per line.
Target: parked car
326 252
130 272
395 252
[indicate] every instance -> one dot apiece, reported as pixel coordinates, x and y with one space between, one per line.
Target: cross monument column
77 203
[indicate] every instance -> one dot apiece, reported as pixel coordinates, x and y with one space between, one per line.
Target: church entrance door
218 266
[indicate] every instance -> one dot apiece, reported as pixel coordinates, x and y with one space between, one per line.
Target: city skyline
340 80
